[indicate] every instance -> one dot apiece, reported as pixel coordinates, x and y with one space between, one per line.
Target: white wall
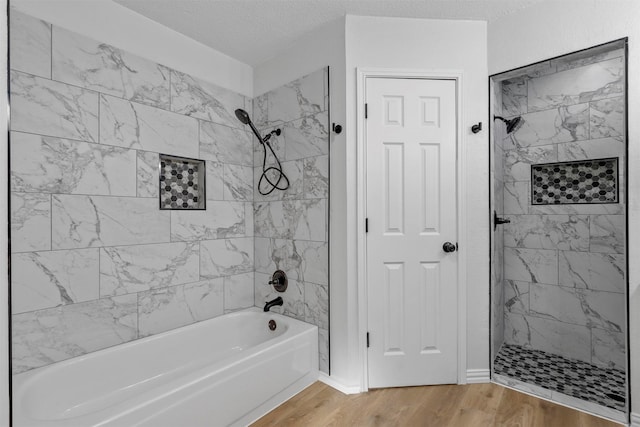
116 25
553 28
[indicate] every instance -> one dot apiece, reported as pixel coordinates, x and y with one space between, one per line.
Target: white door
411 211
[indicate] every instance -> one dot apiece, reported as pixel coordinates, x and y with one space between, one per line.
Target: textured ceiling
253 31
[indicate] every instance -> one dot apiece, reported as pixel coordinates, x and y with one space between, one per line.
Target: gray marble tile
196 98
30 222
316 177
514 97
238 182
316 305
498 196
226 144
293 297
516 329
50 108
607 233
277 144
608 348
562 124
517 162
565 232
49 279
238 292
588 57
226 257
46 336
581 209
578 85
221 219
260 108
591 149
606 118
214 180
516 297
578 306
30 44
323 350
307 137
164 309
81 61
602 272
131 125
300 98
293 170
531 265
291 219
53 165
148 175
248 219
516 197
301 260
573 341
137 268
91 221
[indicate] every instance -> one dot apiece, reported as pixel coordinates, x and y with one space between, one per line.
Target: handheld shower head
243 116
513 124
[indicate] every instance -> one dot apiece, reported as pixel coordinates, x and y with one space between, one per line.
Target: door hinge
366 225
366 111
367 339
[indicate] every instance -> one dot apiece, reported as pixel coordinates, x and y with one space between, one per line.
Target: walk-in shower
559 263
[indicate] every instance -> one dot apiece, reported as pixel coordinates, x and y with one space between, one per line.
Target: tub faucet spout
277 301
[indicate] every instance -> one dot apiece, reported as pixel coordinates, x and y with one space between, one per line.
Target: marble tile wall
291 227
564 265
95 263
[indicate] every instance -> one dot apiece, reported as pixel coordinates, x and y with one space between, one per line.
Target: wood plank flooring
435 406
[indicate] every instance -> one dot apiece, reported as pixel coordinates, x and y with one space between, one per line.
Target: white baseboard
478 376
635 420
331 382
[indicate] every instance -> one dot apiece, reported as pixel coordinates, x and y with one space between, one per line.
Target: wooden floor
446 405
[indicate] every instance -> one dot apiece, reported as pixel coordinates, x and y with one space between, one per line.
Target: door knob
449 247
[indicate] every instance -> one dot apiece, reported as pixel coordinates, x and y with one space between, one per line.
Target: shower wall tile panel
30 39
95 262
81 61
573 111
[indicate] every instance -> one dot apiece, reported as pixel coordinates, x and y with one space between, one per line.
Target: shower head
243 116
512 124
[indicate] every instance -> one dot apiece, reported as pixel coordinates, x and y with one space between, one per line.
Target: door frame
361 187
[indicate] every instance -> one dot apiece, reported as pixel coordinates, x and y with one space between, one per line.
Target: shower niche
558 264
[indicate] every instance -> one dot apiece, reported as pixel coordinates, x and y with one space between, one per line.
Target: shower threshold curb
561 399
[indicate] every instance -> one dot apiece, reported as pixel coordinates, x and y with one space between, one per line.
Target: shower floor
604 386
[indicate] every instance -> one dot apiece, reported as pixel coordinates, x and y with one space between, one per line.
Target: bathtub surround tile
582 209
93 221
225 144
323 350
592 149
50 108
238 292
316 177
248 219
517 330
607 233
517 162
565 232
316 305
562 124
147 178
291 219
300 98
306 261
590 56
293 297
293 170
607 118
514 96
137 268
214 180
81 61
600 80
30 42
226 257
164 309
30 222
531 265
260 110
608 348
132 125
196 98
307 137
595 271
276 142
516 296
238 182
47 336
516 197
560 338
54 165
48 279
220 220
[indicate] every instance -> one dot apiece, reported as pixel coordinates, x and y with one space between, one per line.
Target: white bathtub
230 370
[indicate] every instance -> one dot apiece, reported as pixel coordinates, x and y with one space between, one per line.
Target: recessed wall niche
182 183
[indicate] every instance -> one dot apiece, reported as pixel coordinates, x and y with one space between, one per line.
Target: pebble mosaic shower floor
582 380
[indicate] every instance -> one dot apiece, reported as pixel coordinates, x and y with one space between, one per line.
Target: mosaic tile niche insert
584 181
182 183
